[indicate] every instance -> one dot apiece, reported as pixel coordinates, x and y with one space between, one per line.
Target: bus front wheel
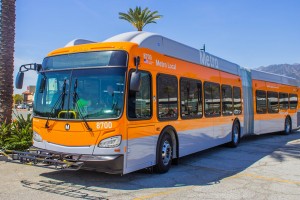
164 154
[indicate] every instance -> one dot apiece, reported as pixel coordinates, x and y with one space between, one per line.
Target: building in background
28 95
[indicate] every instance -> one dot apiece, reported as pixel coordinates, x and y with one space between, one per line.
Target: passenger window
293 101
273 106
167 95
227 103
237 101
212 104
261 102
283 101
140 103
190 98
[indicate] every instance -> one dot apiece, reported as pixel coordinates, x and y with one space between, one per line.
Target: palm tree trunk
7 41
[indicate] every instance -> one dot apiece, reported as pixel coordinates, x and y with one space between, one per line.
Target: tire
287 126
164 154
235 135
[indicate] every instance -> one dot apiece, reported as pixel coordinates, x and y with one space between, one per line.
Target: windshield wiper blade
60 99
75 99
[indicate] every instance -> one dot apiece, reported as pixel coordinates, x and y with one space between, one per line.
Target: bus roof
78 42
175 49
275 78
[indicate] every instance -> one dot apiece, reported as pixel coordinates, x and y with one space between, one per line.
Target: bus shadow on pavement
204 168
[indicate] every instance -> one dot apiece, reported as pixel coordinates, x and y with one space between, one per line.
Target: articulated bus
139 99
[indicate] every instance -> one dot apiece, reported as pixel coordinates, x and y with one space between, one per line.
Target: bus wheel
235 135
287 126
165 151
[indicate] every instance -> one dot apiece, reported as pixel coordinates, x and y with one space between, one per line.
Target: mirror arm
137 63
31 66
25 68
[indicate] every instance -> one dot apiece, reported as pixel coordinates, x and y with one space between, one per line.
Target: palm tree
140 18
7 41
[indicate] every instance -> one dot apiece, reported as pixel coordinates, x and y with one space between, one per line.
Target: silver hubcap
235 134
166 153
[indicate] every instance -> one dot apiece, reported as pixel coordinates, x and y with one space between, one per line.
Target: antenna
203 49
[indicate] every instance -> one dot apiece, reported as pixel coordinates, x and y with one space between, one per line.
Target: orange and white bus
139 100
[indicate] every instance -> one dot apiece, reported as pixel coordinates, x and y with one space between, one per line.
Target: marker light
37 137
110 142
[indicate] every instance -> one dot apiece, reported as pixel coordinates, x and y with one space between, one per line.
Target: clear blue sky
251 33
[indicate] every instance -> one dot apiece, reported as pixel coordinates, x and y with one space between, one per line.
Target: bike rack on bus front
44 159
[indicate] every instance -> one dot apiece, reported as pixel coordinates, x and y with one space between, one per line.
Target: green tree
140 18
18 98
7 41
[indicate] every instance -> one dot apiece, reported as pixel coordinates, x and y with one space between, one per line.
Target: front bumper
109 163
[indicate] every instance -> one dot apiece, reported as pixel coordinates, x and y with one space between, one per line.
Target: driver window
139 103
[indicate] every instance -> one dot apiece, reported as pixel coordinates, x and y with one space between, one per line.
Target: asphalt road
262 167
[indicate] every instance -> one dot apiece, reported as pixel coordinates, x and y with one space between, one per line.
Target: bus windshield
80 93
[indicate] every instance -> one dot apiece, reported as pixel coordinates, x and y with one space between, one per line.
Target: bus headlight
110 142
37 137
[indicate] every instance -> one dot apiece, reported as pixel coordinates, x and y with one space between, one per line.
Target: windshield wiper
75 99
60 99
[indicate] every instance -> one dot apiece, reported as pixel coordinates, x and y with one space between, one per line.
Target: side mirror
25 68
135 81
19 80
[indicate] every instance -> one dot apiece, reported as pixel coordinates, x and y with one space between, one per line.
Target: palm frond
140 18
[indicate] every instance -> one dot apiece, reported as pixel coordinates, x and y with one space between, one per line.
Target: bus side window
140 103
261 102
190 98
212 99
227 100
283 101
237 101
273 106
293 101
167 95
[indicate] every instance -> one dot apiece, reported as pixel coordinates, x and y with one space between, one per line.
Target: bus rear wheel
287 126
235 135
164 154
